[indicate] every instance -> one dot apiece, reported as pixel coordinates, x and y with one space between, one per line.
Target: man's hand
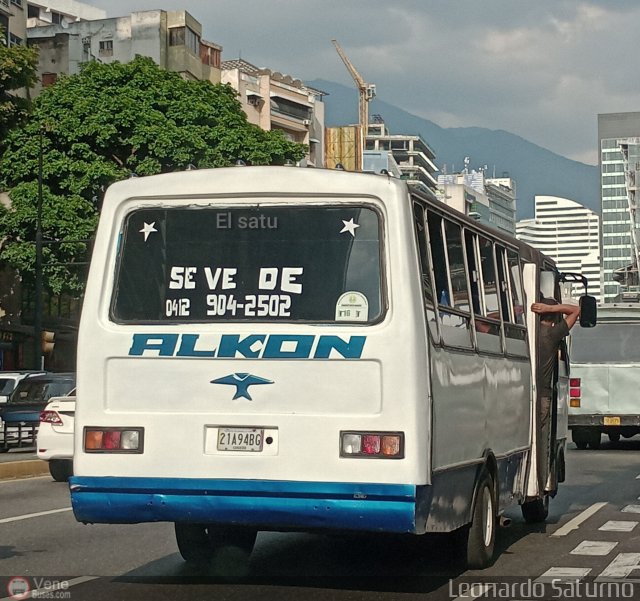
542 308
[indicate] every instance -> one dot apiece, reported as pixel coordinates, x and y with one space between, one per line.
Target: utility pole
366 93
37 307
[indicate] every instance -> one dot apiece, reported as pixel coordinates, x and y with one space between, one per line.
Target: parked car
9 380
21 413
55 436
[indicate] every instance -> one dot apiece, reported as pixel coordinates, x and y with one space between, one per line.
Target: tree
17 71
102 125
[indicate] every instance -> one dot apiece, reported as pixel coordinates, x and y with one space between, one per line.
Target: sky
541 69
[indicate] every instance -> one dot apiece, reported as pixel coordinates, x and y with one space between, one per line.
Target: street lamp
37 316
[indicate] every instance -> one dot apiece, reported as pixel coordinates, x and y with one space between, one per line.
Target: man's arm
570 312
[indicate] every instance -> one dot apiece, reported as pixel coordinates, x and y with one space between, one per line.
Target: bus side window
457 269
427 288
490 322
445 240
503 286
471 247
515 335
438 258
515 277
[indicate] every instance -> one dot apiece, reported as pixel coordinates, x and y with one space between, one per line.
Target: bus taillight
113 440
382 445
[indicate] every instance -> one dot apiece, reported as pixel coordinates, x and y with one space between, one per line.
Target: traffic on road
588 546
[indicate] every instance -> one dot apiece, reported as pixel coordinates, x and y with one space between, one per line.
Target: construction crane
366 93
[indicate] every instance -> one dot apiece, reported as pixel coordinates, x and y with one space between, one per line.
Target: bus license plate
611 421
240 439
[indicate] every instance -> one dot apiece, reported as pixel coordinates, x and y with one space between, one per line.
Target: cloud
542 70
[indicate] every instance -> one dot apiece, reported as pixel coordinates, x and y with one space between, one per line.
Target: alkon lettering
253 346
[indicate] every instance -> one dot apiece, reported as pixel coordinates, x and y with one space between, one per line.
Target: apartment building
173 39
413 156
491 201
273 100
619 160
569 233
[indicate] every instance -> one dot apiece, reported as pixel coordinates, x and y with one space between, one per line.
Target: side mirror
588 311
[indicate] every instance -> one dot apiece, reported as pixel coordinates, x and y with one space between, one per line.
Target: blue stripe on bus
265 504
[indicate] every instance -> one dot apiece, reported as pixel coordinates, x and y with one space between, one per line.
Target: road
591 531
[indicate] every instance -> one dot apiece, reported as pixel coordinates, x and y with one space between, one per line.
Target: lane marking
631 509
39 593
27 516
622 566
593 547
581 517
618 526
563 575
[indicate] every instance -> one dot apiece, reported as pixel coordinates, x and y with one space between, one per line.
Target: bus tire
536 511
193 543
479 538
199 543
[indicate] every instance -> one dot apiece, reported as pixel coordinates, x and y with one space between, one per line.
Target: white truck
605 376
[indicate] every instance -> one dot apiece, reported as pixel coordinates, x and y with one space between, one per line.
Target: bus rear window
197 264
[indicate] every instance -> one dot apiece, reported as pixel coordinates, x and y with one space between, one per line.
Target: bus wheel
193 543
200 543
479 538
580 438
614 436
536 511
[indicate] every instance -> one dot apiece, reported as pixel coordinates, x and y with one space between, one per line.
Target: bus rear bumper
265 505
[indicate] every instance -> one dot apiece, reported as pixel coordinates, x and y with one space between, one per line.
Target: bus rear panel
239 361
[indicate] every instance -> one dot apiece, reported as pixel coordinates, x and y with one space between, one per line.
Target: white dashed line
618 526
631 509
563 574
26 516
593 547
622 566
575 522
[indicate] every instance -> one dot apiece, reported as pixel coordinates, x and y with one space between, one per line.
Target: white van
272 348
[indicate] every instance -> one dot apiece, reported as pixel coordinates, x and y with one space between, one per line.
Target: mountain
536 170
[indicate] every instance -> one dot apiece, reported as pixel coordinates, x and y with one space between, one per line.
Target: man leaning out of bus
553 328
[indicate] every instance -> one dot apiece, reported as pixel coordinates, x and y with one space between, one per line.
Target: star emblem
147 229
349 226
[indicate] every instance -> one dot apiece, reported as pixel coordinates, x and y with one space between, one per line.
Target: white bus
605 377
283 349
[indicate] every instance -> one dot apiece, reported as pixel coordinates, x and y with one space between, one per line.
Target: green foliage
100 126
17 72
